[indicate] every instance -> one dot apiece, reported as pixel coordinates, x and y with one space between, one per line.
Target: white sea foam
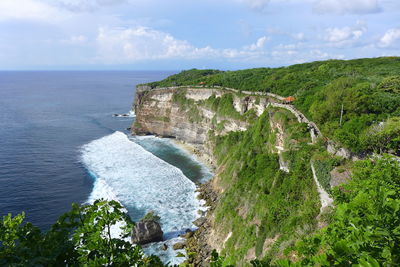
206 175
168 255
128 173
130 114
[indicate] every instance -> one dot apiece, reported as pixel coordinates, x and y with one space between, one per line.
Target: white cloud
75 40
258 5
28 10
300 36
347 6
314 55
336 35
346 36
83 5
288 46
299 53
257 45
142 43
390 38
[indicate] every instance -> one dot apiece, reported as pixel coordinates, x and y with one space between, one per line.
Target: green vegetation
180 97
368 89
137 124
223 106
385 137
80 237
151 216
365 226
272 215
294 132
187 105
185 77
324 163
260 201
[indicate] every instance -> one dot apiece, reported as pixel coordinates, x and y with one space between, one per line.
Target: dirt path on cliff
324 197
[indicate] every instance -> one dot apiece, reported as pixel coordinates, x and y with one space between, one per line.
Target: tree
391 84
364 230
384 137
80 237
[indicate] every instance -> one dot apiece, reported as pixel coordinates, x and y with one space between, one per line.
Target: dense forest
368 90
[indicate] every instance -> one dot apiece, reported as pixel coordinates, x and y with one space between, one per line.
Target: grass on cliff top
368 89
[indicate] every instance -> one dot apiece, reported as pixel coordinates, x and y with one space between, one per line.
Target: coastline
197 239
196 153
199 242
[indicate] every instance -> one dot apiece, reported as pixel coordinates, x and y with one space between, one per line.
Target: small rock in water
164 246
146 232
201 213
120 115
188 235
200 221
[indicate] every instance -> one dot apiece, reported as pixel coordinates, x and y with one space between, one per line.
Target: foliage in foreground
80 237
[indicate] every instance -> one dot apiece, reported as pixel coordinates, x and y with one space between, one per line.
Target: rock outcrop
157 112
146 232
200 241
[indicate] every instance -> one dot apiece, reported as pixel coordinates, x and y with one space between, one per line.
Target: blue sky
181 34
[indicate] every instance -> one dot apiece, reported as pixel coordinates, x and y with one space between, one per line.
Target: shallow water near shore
47 118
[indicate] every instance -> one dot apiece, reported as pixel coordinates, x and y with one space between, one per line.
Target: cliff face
269 157
183 113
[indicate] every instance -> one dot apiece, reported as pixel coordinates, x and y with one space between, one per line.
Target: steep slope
244 135
275 166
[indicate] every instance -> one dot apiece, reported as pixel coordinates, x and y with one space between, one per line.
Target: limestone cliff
184 114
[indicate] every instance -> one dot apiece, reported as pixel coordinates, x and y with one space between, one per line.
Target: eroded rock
146 232
179 245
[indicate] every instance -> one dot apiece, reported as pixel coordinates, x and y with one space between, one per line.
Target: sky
184 34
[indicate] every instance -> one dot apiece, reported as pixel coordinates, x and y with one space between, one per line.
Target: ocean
59 144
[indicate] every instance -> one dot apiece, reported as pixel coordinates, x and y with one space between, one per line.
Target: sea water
60 143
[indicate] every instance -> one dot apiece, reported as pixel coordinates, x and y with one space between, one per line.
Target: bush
80 237
364 228
384 137
151 216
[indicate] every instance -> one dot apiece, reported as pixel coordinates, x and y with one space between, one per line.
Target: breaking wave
140 181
